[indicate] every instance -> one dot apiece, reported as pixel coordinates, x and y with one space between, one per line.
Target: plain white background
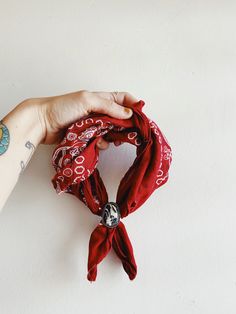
180 58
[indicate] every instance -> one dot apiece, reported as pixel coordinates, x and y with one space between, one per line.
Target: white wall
178 56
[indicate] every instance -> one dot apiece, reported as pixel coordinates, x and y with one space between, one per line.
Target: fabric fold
102 240
124 250
100 244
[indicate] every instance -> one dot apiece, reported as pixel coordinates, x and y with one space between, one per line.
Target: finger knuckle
84 94
114 96
27 101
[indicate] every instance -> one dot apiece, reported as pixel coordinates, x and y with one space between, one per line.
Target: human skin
44 120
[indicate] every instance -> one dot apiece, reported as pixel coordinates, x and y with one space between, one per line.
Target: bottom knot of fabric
102 240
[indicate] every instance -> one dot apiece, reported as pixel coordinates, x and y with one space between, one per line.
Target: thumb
111 108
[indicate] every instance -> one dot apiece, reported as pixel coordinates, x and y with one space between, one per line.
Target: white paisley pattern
134 138
165 154
71 136
71 164
67 172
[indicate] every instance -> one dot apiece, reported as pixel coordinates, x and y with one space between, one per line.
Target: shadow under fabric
75 161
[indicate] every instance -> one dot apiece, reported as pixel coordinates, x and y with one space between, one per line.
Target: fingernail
128 111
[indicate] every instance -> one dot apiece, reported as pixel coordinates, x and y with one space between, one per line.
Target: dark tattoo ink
31 147
4 138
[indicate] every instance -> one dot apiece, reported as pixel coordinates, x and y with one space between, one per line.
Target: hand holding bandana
75 161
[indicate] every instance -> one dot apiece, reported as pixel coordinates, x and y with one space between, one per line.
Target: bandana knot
75 160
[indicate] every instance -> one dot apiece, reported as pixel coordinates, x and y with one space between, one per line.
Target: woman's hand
44 120
58 112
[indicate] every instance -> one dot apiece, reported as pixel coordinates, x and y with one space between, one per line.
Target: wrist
33 115
27 121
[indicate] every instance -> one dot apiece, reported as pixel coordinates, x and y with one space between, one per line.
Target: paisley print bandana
75 160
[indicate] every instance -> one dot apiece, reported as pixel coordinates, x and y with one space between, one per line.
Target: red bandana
75 161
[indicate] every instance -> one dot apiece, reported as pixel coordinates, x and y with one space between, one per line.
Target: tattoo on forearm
31 147
5 141
4 138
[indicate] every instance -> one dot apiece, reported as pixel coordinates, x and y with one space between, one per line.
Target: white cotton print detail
71 136
79 169
79 124
160 178
87 134
82 178
89 120
61 178
132 135
67 172
156 130
79 179
79 160
138 142
66 161
99 121
59 150
110 126
120 128
167 153
103 132
75 152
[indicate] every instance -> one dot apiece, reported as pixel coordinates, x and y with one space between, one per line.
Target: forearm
43 120
25 134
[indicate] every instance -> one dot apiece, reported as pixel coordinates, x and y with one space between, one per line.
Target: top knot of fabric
75 160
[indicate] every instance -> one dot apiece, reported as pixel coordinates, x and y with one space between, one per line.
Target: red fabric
75 160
